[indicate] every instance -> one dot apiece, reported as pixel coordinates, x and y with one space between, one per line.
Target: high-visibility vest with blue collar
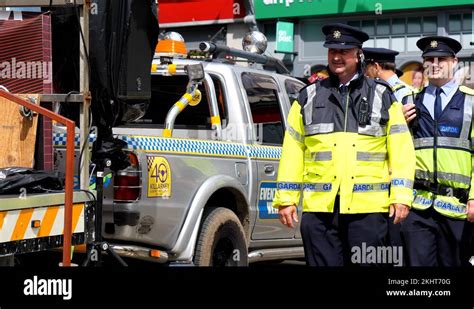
400 90
329 150
444 154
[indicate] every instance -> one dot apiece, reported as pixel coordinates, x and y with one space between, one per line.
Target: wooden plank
18 134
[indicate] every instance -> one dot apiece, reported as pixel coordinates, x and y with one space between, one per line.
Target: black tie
437 104
343 89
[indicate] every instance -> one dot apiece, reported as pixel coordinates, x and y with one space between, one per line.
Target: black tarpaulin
123 37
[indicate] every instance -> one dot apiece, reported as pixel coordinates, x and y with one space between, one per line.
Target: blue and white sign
266 193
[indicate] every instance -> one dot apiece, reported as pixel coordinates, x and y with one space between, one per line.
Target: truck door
267 115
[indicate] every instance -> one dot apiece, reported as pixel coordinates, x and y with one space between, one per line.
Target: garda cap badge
336 34
434 44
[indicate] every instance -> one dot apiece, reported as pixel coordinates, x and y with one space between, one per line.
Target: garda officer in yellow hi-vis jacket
436 232
344 134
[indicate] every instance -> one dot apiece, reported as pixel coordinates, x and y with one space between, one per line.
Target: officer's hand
470 211
401 212
287 215
409 111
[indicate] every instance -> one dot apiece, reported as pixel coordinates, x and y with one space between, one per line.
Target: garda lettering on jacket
371 187
288 186
449 206
422 200
398 182
318 187
449 129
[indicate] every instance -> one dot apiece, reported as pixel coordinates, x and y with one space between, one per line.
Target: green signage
294 8
284 37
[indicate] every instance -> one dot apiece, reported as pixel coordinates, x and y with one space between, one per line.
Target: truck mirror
195 72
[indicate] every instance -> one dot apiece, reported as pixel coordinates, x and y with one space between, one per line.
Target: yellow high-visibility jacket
355 144
444 175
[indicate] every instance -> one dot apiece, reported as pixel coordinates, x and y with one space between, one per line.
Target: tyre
221 240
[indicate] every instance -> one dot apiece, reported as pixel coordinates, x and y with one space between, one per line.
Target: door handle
269 169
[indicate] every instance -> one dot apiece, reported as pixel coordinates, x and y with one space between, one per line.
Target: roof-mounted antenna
214 37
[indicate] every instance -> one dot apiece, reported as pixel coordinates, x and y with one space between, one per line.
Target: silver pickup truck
203 176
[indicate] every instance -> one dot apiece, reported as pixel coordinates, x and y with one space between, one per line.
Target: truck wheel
221 240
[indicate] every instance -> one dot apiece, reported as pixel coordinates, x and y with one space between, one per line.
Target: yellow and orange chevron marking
17 224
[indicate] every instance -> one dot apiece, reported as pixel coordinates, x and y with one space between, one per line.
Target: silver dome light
171 35
255 42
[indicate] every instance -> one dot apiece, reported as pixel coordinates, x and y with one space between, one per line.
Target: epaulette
466 90
413 94
398 86
382 82
408 94
303 94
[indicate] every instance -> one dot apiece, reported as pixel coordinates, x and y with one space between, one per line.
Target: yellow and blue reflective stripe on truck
201 147
187 146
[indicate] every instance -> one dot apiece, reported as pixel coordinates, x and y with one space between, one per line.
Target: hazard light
155 253
133 160
127 184
171 44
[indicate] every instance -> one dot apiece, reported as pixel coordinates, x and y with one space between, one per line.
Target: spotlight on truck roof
255 42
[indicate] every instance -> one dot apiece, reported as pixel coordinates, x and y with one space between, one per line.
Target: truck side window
165 92
262 94
221 99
